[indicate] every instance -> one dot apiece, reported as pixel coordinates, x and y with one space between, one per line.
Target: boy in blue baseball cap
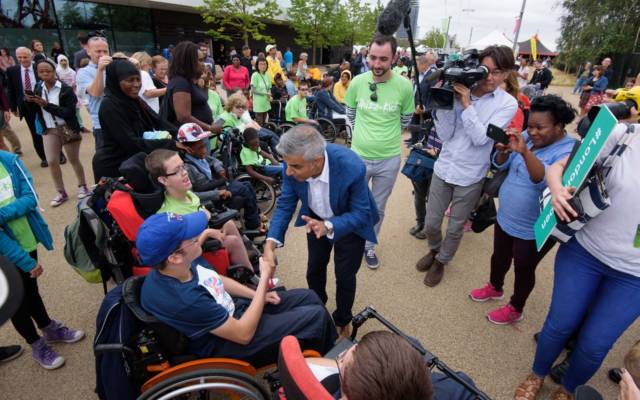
221 317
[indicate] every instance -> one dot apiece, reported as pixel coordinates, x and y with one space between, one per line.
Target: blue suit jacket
351 200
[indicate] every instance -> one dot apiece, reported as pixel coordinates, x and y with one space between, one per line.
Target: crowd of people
171 109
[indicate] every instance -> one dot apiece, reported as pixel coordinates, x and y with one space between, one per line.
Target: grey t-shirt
613 236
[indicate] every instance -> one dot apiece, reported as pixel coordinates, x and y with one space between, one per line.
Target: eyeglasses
496 72
179 170
374 94
303 89
189 244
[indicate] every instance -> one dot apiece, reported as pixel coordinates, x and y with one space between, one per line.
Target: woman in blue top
21 229
593 91
527 157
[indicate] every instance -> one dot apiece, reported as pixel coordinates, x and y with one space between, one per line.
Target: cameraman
462 165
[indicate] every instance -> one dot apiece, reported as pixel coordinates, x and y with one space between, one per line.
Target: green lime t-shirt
399 70
260 86
230 120
251 157
377 131
215 104
19 226
173 205
296 108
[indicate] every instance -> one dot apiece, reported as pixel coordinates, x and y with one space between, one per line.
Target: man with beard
379 105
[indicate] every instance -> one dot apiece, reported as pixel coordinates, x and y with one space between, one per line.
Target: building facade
129 26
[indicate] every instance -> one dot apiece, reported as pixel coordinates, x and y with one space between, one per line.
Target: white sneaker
371 259
83 192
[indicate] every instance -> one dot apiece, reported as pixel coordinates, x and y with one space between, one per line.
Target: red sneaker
486 293
504 315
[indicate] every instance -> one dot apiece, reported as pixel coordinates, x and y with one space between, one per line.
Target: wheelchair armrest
112 348
253 233
241 274
210 245
220 218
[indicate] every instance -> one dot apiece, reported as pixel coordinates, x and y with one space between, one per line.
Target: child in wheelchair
209 181
220 317
259 163
167 168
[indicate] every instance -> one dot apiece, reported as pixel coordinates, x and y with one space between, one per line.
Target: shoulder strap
616 152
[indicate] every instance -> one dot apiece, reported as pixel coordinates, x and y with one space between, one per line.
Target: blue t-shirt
84 78
193 308
288 57
519 195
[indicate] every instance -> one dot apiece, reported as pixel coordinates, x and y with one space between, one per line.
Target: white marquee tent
495 37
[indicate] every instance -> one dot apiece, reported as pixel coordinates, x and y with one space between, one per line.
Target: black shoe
8 353
558 371
63 159
44 164
416 229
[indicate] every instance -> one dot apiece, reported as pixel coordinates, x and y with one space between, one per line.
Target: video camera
624 101
466 70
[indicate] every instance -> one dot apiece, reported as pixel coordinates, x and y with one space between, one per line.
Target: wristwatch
329 227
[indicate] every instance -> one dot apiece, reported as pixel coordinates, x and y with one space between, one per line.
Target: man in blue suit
338 210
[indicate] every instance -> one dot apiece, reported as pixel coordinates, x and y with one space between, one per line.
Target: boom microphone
392 16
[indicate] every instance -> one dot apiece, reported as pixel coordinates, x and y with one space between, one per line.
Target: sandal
561 394
529 389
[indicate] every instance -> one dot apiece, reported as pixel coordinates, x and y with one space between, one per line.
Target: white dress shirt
319 201
31 75
51 96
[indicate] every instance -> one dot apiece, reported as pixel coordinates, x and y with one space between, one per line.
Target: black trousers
420 197
347 257
300 313
31 309
525 258
37 139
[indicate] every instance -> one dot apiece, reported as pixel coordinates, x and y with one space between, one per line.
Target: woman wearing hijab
126 120
65 73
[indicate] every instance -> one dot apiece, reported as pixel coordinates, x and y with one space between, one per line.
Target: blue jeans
270 137
585 288
272 170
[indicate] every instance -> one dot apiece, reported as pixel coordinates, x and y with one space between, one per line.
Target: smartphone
29 92
498 134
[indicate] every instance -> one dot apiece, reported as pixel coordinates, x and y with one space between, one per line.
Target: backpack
115 325
82 243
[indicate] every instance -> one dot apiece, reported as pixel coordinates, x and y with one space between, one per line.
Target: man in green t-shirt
379 105
296 109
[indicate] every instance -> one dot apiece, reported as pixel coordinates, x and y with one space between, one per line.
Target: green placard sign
578 168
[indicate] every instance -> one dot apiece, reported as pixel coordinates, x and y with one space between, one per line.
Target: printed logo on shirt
636 242
367 104
211 281
6 189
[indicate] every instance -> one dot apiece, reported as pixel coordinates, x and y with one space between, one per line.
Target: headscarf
66 75
117 71
339 89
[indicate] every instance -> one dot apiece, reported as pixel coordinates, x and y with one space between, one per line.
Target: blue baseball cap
161 234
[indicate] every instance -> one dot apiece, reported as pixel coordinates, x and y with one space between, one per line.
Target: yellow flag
534 47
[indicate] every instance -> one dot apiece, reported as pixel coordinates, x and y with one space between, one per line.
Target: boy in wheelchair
221 317
208 177
167 168
259 164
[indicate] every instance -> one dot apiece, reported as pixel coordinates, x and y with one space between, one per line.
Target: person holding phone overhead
526 156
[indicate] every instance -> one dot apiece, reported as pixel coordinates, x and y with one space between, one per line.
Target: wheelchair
229 153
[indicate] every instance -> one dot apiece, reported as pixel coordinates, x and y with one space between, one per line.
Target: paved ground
443 318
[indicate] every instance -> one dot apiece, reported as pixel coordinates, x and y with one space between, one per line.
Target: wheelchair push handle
431 360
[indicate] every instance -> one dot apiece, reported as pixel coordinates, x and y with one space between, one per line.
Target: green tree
434 38
318 23
248 17
360 20
591 29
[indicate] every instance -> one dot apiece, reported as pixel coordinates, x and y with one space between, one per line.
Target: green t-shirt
215 104
377 131
19 226
252 157
230 120
260 86
296 108
173 205
399 70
